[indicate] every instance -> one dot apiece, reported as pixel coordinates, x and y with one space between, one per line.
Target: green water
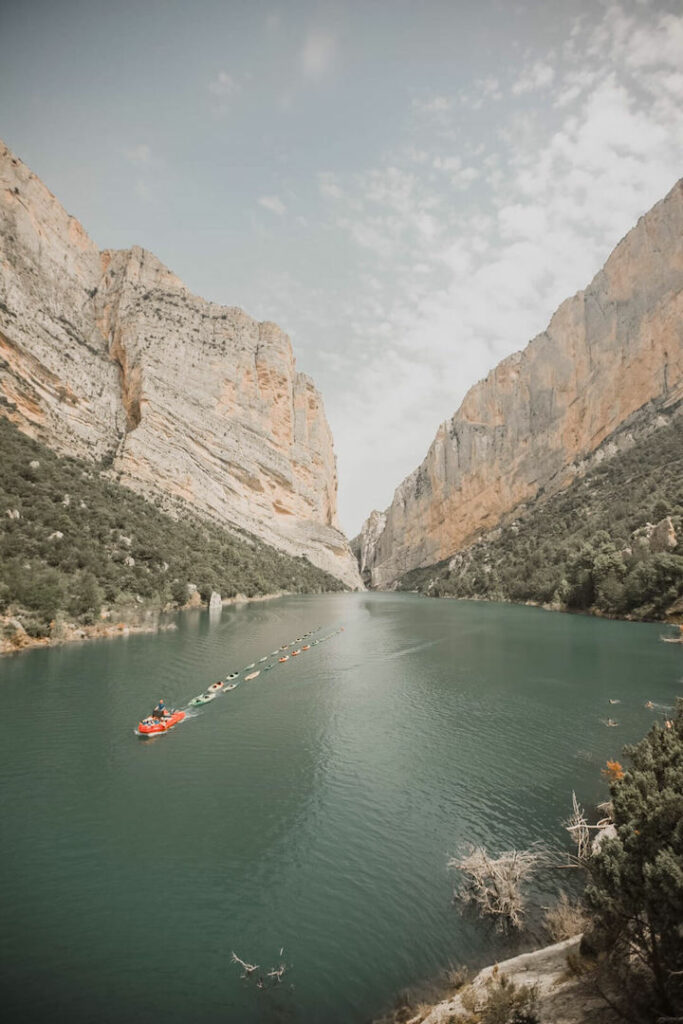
312 809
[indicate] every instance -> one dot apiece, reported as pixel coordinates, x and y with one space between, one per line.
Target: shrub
565 919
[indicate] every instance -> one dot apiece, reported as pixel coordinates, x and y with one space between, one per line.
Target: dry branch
494 884
248 968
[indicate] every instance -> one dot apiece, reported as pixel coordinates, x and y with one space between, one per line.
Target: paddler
160 710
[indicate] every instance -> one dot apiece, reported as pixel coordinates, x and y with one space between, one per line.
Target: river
312 809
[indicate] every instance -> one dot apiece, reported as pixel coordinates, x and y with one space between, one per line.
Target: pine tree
635 894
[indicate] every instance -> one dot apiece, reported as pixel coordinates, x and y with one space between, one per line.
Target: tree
179 591
86 596
635 892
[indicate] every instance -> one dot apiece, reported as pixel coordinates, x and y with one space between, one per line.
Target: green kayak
203 698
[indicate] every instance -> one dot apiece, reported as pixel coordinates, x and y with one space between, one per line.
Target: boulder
663 536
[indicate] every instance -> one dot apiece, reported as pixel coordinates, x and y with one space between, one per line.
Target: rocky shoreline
14 639
559 975
673 618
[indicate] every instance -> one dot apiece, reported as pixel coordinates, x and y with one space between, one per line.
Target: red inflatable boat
152 726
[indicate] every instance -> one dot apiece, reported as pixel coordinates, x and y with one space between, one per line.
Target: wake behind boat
162 719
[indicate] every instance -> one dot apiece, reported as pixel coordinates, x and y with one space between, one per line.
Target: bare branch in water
248 968
277 973
494 884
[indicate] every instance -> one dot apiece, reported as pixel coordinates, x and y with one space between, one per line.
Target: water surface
312 809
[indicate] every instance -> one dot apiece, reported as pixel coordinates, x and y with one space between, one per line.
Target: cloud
142 190
433 105
317 53
537 76
328 187
273 203
139 155
224 85
484 90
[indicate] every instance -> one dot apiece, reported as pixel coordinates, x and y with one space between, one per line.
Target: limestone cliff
525 429
107 356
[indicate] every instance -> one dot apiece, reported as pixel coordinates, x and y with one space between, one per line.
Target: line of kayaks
155 726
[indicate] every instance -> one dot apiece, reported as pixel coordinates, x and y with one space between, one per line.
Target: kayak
286 658
203 698
306 647
215 687
231 686
294 653
152 726
252 675
233 675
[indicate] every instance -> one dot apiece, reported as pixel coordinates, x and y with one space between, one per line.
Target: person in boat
160 711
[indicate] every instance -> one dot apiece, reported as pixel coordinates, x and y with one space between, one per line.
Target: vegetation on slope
635 893
72 541
588 548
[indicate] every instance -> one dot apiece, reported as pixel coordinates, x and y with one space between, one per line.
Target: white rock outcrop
562 997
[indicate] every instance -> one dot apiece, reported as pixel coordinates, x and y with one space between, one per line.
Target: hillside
610 543
73 541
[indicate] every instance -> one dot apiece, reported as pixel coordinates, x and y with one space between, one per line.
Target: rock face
652 539
525 429
364 545
107 356
562 997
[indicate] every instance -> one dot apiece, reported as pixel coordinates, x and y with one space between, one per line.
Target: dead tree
248 968
580 831
494 884
577 826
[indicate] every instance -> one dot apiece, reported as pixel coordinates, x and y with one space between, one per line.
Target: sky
409 189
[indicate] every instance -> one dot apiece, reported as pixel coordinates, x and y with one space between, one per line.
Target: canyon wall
525 429
107 356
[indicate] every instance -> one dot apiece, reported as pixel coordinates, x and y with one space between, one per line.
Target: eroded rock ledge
563 998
